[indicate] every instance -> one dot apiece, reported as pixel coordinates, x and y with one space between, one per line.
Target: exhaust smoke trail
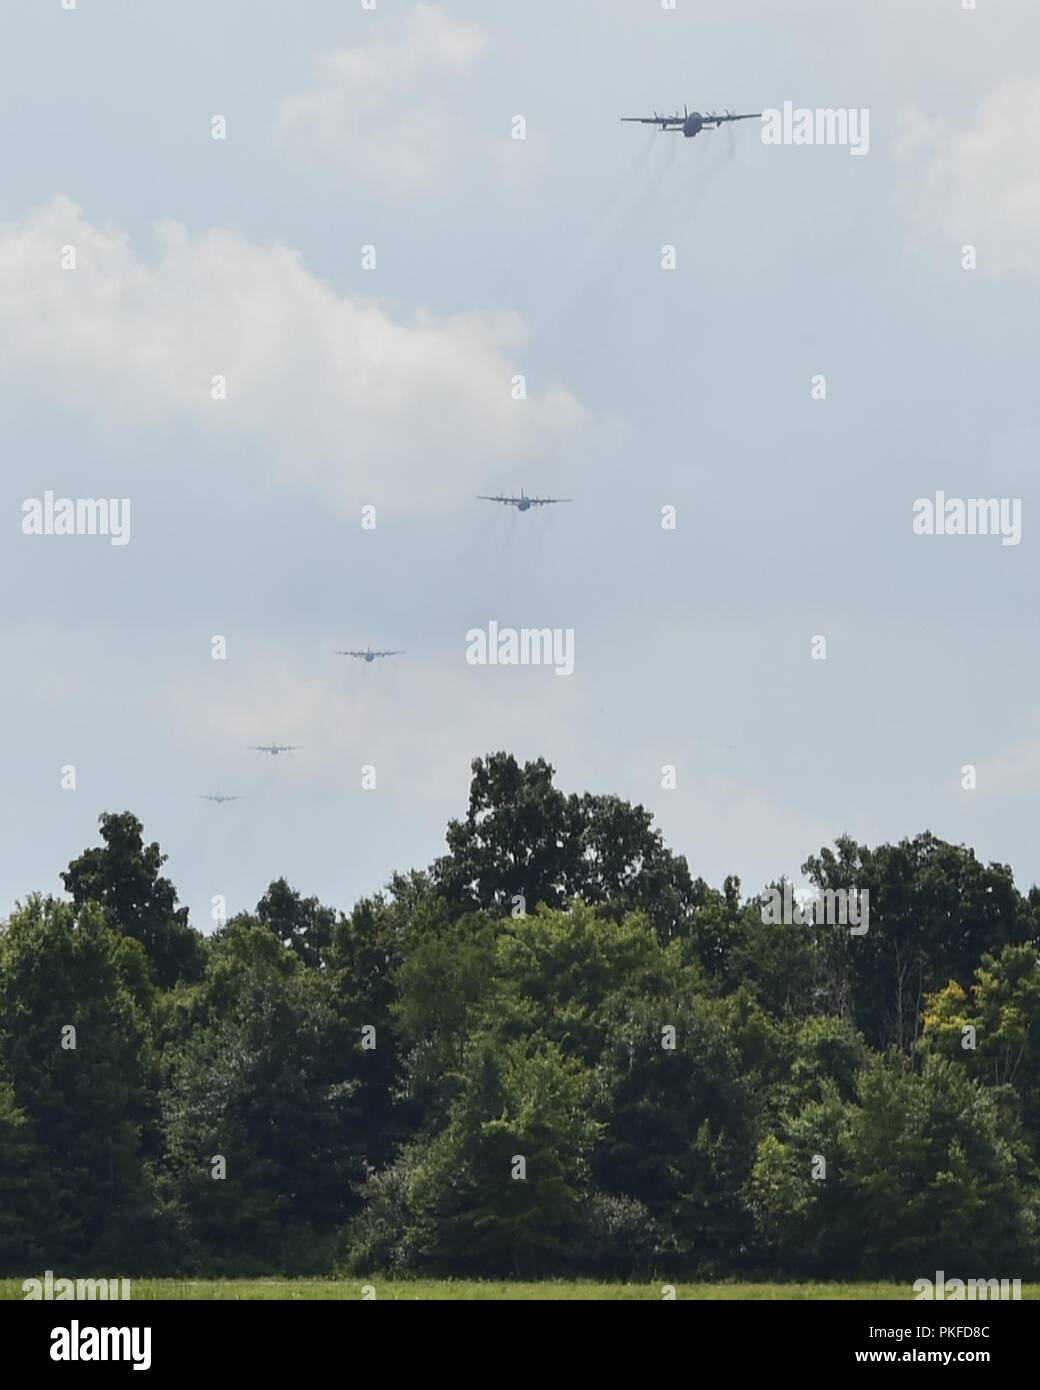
624 181
716 161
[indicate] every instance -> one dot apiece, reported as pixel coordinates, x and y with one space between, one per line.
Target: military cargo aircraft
523 503
691 123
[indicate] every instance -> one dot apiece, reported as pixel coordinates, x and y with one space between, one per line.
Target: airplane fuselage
523 505
370 657
691 123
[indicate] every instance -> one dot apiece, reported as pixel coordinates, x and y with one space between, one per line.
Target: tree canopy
554 1050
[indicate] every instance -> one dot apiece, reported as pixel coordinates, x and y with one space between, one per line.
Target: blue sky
646 388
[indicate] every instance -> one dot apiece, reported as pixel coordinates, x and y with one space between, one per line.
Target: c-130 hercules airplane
369 655
691 123
523 503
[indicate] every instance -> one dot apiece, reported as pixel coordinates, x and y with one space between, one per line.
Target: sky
390 130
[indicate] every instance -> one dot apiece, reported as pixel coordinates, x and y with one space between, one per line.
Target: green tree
522 837
934 909
263 1084
443 982
368 950
123 877
300 923
27 1216
566 975
501 1188
89 1104
999 1016
680 1129
938 1174
805 1218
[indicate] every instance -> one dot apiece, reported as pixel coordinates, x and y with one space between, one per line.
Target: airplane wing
260 748
545 501
663 121
351 653
731 116
388 653
481 498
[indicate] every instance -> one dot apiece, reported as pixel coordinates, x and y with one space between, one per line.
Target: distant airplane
524 503
274 748
691 123
369 655
219 798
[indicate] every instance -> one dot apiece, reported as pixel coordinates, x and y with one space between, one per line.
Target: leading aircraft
369 655
524 503
274 748
691 123
220 798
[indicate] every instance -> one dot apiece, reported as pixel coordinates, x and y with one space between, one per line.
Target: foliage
554 1052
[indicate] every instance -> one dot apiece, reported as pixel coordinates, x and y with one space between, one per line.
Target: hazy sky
392 387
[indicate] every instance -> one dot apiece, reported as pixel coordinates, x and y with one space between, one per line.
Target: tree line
553 1051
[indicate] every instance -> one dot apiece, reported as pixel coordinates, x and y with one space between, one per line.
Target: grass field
143 1290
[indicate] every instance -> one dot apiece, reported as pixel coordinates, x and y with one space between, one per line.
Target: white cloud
428 711
1011 774
431 43
981 184
374 110
333 391
384 112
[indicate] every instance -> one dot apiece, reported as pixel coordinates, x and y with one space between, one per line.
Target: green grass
143 1290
